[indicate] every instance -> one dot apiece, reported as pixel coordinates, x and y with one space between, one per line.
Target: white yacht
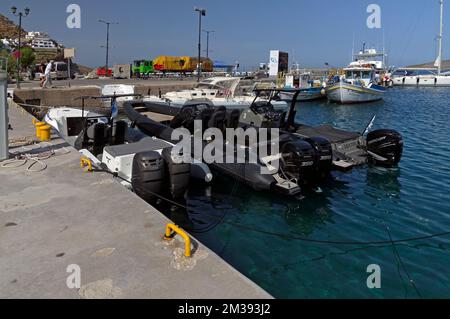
425 77
218 91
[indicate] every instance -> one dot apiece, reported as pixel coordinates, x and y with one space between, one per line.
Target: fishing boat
309 90
357 85
423 77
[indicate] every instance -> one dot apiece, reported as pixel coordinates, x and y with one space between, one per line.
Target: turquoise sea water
366 204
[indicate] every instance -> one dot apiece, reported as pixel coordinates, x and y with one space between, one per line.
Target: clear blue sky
313 32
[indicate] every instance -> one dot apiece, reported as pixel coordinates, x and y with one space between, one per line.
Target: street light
201 12
20 15
107 43
207 41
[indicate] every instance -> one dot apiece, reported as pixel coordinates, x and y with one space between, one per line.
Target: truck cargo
181 64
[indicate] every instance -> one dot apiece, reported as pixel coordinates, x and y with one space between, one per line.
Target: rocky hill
445 65
7 28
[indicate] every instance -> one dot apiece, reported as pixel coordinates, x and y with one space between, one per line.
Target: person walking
48 75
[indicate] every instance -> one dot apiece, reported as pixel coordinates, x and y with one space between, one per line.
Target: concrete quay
62 218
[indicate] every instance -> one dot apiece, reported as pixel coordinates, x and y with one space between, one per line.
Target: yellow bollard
45 132
187 240
39 125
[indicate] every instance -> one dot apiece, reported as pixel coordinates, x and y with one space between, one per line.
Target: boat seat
233 118
97 137
218 119
144 145
205 116
118 131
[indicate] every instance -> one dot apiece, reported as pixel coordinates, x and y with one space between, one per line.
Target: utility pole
207 41
4 153
201 13
107 44
20 15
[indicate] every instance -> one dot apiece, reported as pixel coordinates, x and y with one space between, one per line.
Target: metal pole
19 53
441 33
107 48
199 44
4 153
207 44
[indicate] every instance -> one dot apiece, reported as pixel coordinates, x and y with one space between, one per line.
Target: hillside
445 65
7 28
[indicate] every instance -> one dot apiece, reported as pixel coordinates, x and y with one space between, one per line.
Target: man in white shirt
47 74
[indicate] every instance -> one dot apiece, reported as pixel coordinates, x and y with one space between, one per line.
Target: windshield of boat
224 85
400 73
358 74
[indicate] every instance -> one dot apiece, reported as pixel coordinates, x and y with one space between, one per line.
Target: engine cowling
324 156
299 161
385 147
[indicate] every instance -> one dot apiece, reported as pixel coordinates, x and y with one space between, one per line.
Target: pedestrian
48 75
42 72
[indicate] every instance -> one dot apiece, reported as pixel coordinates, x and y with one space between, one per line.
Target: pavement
100 82
62 224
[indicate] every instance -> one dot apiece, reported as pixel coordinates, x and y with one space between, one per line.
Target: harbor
171 173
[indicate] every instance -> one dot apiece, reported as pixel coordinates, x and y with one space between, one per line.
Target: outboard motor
385 147
324 156
299 161
148 175
178 174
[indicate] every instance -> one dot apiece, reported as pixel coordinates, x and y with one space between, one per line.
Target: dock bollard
45 132
171 229
39 126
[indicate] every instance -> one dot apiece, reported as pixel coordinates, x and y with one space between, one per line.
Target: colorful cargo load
183 64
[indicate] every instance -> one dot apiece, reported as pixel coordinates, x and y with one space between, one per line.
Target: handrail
171 230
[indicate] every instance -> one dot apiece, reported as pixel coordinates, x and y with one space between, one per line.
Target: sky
312 32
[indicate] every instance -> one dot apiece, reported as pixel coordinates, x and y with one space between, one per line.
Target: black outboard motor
385 147
148 175
178 175
299 161
324 156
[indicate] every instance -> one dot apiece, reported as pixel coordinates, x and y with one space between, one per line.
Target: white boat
356 86
218 91
110 145
308 90
425 77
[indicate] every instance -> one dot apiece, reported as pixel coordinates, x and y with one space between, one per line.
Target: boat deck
62 216
331 133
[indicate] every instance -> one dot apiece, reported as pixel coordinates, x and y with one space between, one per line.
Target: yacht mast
441 31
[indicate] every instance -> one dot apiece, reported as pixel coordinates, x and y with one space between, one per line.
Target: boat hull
304 95
422 81
345 93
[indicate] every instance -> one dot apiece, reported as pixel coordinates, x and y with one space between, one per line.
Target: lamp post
107 43
20 14
201 13
207 41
